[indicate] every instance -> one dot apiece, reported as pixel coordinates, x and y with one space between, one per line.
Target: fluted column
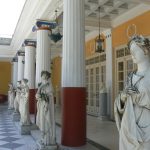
20 65
14 71
73 75
43 49
29 71
109 74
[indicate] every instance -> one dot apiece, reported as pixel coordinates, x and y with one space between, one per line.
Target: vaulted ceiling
112 13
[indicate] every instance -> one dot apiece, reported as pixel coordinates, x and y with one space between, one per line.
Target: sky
10 11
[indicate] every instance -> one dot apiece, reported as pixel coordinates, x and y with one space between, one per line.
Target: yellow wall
90 46
142 22
56 72
5 76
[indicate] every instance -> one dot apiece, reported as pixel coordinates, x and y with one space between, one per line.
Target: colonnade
36 58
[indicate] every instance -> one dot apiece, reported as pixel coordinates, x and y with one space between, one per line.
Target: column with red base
73 75
29 73
43 49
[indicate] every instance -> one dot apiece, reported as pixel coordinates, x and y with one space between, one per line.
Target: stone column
109 74
73 75
20 65
29 71
43 49
14 71
43 59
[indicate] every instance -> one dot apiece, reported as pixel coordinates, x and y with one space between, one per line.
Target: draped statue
132 105
17 98
11 96
24 103
45 110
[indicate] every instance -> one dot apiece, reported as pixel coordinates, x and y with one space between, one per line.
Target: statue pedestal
16 116
34 127
10 110
103 107
103 118
47 147
25 129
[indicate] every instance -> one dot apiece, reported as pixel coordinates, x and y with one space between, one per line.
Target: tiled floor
102 135
10 139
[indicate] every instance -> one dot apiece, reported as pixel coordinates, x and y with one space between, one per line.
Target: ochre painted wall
56 72
119 34
90 46
5 76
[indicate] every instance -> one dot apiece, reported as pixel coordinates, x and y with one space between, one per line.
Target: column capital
44 25
29 42
20 53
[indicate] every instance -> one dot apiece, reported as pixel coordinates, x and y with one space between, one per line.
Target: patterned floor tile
1 132
1 137
27 147
5 148
3 142
7 130
20 141
9 139
16 136
6 127
7 134
11 145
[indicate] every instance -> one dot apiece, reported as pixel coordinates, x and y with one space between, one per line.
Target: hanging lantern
99 41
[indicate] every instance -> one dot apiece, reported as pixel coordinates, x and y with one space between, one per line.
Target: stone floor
10 139
101 135
104 134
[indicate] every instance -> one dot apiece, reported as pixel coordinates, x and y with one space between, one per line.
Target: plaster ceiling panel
93 1
102 10
109 9
115 11
109 3
94 15
87 7
107 17
124 6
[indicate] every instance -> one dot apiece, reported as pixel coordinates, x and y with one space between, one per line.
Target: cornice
140 9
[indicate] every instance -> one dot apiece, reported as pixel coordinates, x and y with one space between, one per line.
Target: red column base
74 116
32 101
3 98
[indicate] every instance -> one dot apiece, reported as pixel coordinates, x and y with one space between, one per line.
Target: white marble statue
17 98
45 110
11 96
132 106
24 103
